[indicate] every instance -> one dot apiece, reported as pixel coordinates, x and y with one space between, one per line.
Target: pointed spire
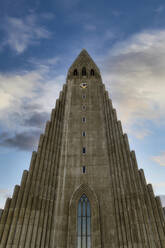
83 60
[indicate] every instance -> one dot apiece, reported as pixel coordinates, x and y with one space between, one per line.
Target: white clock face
83 85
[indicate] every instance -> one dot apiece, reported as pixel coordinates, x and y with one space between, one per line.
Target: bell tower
83 188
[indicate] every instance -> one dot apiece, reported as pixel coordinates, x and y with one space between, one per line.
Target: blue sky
38 42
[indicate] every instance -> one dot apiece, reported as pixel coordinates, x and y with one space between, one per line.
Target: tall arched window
84 223
83 71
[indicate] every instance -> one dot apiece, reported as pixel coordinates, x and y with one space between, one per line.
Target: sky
39 40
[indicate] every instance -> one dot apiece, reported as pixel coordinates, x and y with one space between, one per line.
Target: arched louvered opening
75 73
92 72
84 71
84 223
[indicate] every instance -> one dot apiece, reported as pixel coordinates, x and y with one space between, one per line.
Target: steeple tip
83 60
84 51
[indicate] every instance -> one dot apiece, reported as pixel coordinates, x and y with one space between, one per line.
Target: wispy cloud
160 159
160 184
160 9
134 73
27 98
44 63
36 119
23 141
23 32
141 133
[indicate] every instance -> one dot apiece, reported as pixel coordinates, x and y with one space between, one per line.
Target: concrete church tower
83 188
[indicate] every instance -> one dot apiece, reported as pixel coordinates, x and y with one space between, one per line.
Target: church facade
83 188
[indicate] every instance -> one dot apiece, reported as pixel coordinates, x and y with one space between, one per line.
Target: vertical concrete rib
138 220
119 184
160 211
4 217
149 209
54 151
116 207
121 177
117 179
47 188
39 215
34 200
126 176
56 148
141 202
34 212
46 207
52 175
124 180
17 208
10 216
156 216
59 145
24 204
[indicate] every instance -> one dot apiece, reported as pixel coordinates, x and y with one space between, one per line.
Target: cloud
36 119
159 9
44 63
23 141
25 90
134 74
160 159
23 32
141 133
28 97
16 88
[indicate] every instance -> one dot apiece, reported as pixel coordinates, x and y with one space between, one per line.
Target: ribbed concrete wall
42 212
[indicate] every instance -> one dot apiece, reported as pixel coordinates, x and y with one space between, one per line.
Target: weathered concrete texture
43 209
1 210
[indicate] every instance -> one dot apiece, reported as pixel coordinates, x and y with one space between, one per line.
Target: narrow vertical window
84 150
83 119
83 107
84 169
83 71
84 133
84 223
83 96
